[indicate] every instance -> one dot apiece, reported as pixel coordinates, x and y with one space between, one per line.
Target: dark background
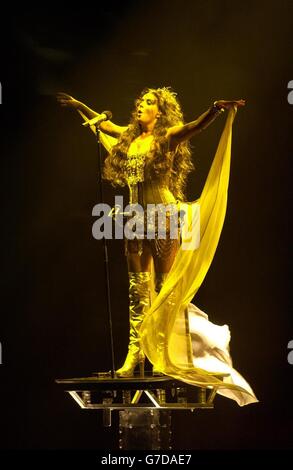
53 321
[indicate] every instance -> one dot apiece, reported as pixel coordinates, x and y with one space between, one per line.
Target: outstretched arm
178 134
107 127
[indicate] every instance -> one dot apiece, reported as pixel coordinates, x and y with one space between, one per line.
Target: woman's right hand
67 100
229 104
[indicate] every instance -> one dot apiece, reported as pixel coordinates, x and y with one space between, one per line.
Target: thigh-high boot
139 303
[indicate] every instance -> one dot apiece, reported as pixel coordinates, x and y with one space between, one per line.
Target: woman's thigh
164 252
139 255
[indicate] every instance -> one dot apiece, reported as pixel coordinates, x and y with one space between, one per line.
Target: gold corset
135 168
135 176
145 191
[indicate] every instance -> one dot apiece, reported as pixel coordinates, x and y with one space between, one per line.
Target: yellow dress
196 353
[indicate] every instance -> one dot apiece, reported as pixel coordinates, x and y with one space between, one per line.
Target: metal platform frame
102 392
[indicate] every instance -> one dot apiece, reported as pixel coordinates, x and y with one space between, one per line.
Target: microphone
96 121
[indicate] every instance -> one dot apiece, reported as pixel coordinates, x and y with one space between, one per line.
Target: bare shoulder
172 131
112 129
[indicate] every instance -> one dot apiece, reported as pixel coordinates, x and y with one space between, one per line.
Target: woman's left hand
229 104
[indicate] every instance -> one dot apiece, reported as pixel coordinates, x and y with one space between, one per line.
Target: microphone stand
106 259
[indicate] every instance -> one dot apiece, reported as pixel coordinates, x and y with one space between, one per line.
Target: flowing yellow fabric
165 332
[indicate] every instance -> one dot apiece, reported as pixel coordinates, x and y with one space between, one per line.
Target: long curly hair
170 167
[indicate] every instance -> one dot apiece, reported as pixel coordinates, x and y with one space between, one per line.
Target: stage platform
101 391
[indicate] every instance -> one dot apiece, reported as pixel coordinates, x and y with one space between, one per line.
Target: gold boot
160 279
139 303
161 352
